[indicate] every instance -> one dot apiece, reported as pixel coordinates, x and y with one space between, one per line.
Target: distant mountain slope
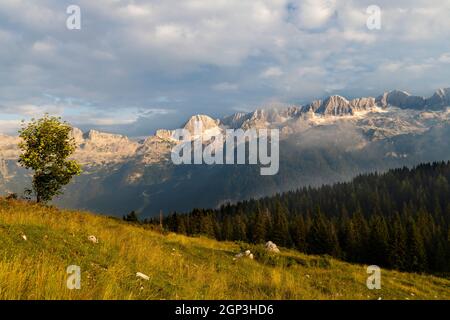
325 141
178 267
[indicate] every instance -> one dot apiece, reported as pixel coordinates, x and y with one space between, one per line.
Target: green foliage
259 234
12 196
322 238
131 217
416 257
280 229
46 148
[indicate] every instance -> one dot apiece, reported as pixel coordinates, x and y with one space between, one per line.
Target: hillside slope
178 267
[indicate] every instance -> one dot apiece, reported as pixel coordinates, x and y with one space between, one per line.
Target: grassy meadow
38 243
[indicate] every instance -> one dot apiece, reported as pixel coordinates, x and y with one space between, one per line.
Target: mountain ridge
333 105
323 142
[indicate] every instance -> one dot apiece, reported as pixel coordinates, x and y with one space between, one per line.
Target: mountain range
322 142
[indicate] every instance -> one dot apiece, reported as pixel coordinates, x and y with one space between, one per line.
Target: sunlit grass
179 267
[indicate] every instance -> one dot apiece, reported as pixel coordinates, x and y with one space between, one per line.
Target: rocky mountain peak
401 99
164 134
441 98
443 92
98 136
235 120
3 168
335 105
77 135
9 148
206 122
339 106
101 147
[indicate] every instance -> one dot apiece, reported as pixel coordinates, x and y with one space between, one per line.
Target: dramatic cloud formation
139 65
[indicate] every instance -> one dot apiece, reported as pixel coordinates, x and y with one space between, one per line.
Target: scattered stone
142 276
272 247
24 237
93 239
238 256
247 254
308 276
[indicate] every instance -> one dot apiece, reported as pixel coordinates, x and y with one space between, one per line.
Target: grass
179 267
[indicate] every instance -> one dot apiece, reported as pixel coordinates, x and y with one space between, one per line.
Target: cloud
31 110
312 14
445 58
225 86
9 127
198 56
272 72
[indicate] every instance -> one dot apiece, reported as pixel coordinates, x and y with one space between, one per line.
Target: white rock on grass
272 247
93 239
24 237
246 254
238 256
142 276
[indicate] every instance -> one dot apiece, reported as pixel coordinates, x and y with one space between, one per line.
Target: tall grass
179 267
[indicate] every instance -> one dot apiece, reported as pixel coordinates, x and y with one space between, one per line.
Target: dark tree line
399 219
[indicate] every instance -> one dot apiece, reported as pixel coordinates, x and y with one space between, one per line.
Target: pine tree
239 229
181 225
322 237
131 217
227 230
398 245
299 233
206 226
347 238
280 230
416 257
361 236
377 250
260 228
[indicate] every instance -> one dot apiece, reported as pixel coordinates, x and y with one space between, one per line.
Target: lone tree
46 147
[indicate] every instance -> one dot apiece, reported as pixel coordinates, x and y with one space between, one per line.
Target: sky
136 66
